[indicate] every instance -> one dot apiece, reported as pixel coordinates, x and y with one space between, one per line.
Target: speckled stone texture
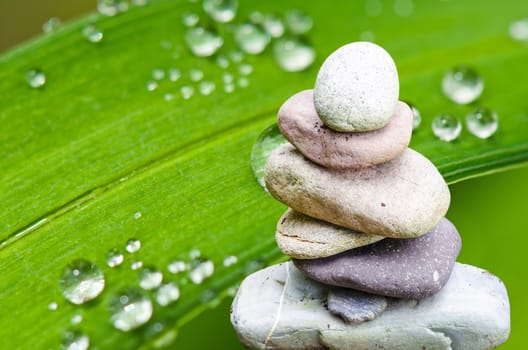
412 268
357 88
280 308
300 124
354 306
403 198
303 237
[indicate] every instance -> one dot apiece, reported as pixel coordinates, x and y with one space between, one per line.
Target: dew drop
245 69
195 253
73 340
236 56
133 245
187 92
190 19
169 96
519 29
177 266
158 74
446 127
228 78
273 25
293 55
174 74
196 75
81 281
200 269
130 309
462 85
229 87
243 82
403 8
139 2
53 306
202 42
167 294
267 141
36 78
222 11
137 215
222 61
298 22
230 260
150 278
417 116
256 17
136 264
206 87
152 85
482 122
111 7
92 33
51 25
76 319
251 39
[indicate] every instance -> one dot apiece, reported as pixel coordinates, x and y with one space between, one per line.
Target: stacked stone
373 256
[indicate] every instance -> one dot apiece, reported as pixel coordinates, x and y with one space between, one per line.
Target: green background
489 212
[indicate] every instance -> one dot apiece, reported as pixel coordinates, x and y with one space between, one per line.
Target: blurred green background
489 212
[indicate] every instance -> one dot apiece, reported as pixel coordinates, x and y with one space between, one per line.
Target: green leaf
93 147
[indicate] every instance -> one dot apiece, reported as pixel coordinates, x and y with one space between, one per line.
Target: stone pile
373 257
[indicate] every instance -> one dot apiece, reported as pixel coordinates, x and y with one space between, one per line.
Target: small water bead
446 127
243 82
462 85
256 17
417 116
245 69
229 87
222 61
51 25
92 33
36 78
519 29
273 25
177 266
228 78
53 306
133 245
195 253
251 39
298 22
222 11
200 269
230 260
202 42
152 85
267 141
136 264
137 215
190 19
158 74
139 2
482 122
81 281
293 55
169 96
174 74
196 75
187 92
206 87
236 56
76 319
73 340
111 7
130 309
167 294
150 278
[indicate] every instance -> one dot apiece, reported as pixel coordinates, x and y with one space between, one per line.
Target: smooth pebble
354 306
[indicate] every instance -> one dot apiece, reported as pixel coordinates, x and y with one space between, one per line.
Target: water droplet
174 74
130 309
367 35
462 85
227 78
139 2
245 69
221 11
137 215
196 75
152 85
229 87
111 7
482 122
256 17
133 245
267 141
417 116
298 22
150 278
195 253
81 281
53 306
207 87
200 270
169 96
186 92
403 8
446 127
519 29
158 74
76 319
230 260
167 45
273 25
293 55
202 42
243 82
373 8
177 266
251 39
236 56
92 33
36 78
190 19
51 25
136 264
231 291
167 294
222 61
73 340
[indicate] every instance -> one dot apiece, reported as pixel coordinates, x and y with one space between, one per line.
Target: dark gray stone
354 306
411 268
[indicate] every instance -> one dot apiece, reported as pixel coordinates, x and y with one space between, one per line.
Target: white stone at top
357 88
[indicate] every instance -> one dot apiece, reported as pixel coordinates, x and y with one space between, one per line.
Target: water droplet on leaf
251 39
267 141
222 11
81 281
130 309
482 122
167 294
462 85
36 78
133 245
446 127
298 22
202 42
92 33
293 55
150 278
73 340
